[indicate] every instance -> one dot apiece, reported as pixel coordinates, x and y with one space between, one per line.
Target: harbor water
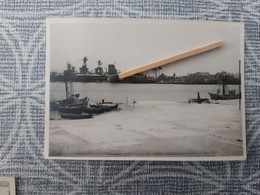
123 92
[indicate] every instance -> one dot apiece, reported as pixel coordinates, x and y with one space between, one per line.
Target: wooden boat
75 116
226 93
224 96
72 104
105 106
72 109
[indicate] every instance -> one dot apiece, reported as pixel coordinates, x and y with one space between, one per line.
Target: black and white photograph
7 185
144 89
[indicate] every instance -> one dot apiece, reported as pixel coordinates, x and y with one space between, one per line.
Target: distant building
201 77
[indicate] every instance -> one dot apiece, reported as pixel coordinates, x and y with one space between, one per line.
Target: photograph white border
11 181
50 21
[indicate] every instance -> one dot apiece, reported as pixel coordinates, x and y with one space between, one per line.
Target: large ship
100 73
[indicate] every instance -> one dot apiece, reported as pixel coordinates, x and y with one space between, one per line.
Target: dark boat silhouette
199 100
226 93
72 104
75 116
224 96
105 106
74 108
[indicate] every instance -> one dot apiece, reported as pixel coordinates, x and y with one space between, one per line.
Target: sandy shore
152 128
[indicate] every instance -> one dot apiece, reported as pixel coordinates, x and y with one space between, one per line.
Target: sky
130 43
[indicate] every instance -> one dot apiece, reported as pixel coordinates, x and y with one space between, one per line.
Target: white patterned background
22 95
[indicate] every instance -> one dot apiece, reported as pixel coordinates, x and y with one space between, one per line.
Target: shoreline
158 82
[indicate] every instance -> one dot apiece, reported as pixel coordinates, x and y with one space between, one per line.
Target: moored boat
72 109
75 116
224 93
229 96
72 104
105 106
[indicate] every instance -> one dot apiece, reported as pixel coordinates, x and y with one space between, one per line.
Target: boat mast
223 83
66 85
239 85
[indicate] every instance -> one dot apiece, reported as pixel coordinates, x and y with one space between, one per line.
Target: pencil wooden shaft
170 59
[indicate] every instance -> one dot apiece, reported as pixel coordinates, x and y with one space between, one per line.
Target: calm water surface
120 92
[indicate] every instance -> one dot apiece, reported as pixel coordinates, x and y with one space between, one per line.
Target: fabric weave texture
22 103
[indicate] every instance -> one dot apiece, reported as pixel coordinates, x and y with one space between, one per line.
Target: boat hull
74 108
199 100
75 116
105 107
93 110
224 97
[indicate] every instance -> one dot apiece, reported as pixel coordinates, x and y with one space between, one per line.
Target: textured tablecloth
22 95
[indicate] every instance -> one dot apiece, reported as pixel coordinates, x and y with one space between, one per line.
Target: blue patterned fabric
22 102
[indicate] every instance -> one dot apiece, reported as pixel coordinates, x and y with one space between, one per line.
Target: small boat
104 106
72 104
199 100
226 93
224 96
76 108
75 116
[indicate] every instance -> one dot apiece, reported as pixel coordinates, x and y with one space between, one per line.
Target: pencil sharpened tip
113 79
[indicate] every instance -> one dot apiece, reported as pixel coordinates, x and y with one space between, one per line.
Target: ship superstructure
99 74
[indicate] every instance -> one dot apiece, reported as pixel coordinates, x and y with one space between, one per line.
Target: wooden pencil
162 62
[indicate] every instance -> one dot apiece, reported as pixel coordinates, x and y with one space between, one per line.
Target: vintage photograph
144 89
7 185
